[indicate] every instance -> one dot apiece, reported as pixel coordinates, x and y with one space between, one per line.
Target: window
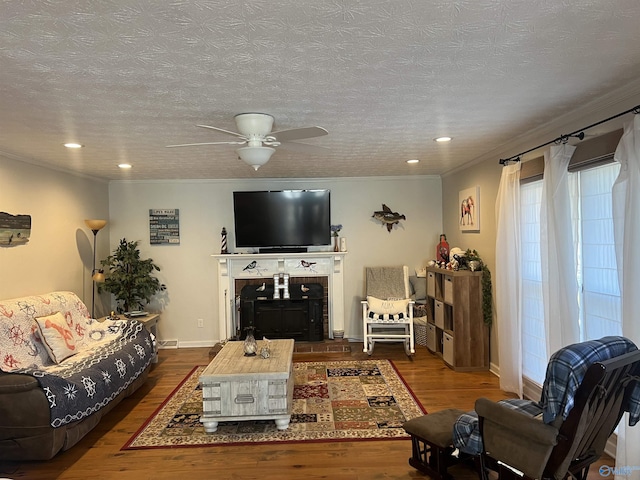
534 355
600 306
599 297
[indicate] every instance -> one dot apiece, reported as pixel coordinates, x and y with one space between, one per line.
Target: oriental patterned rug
332 401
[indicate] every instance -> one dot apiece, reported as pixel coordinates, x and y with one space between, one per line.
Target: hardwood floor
98 455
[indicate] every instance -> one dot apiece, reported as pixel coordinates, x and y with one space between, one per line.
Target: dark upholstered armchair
578 434
587 389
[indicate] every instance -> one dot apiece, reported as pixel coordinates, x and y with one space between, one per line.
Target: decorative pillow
387 306
57 336
419 310
419 287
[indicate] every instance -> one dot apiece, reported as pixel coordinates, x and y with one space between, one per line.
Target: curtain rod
563 138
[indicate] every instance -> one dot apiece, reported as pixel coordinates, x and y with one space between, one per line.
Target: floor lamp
96 275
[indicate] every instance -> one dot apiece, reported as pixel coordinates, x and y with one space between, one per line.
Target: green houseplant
487 307
129 278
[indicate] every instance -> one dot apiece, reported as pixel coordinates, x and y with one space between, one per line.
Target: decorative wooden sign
164 226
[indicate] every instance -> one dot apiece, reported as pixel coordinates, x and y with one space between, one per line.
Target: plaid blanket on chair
567 368
466 434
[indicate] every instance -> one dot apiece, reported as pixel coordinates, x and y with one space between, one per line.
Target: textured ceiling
126 78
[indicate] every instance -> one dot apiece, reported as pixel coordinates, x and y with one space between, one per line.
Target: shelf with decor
455 323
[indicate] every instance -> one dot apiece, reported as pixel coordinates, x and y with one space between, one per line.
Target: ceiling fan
255 132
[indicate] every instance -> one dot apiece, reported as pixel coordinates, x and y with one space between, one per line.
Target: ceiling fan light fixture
259 124
255 156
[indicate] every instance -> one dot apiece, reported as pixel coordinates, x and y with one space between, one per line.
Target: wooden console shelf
455 323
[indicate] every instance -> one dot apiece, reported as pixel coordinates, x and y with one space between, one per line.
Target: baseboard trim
195 343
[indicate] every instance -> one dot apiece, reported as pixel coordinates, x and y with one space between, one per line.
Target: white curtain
508 280
626 222
559 284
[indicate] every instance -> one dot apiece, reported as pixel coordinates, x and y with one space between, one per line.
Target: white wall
59 254
485 175
206 206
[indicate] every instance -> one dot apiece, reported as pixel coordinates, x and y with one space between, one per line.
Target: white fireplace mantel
266 265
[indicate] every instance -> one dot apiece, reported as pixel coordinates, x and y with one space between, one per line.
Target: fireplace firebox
299 317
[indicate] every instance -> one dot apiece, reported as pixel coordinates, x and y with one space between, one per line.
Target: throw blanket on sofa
79 387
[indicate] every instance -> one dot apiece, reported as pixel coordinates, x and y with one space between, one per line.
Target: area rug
332 401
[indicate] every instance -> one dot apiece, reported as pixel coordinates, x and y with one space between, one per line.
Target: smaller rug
332 401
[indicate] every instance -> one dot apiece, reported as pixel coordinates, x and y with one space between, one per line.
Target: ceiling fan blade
298 134
304 148
205 143
222 130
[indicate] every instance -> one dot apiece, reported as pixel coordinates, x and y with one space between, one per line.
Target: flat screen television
282 219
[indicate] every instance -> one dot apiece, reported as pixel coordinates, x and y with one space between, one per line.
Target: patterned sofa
61 371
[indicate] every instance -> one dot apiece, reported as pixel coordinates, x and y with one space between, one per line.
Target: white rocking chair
387 313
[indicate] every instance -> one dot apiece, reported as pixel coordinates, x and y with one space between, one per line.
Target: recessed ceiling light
124 166
73 145
442 139
413 160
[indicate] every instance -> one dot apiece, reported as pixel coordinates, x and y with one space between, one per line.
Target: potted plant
474 262
129 278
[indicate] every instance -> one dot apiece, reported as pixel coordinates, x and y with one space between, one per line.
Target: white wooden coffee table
235 387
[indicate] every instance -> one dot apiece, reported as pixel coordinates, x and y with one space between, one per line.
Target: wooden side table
150 322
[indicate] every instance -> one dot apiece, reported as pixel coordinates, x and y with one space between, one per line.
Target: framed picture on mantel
469 210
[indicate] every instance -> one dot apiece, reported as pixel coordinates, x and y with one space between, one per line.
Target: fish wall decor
388 217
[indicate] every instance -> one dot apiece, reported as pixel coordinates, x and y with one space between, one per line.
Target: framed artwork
469 210
164 226
14 229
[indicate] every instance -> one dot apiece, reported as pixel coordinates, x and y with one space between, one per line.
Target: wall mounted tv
288 220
